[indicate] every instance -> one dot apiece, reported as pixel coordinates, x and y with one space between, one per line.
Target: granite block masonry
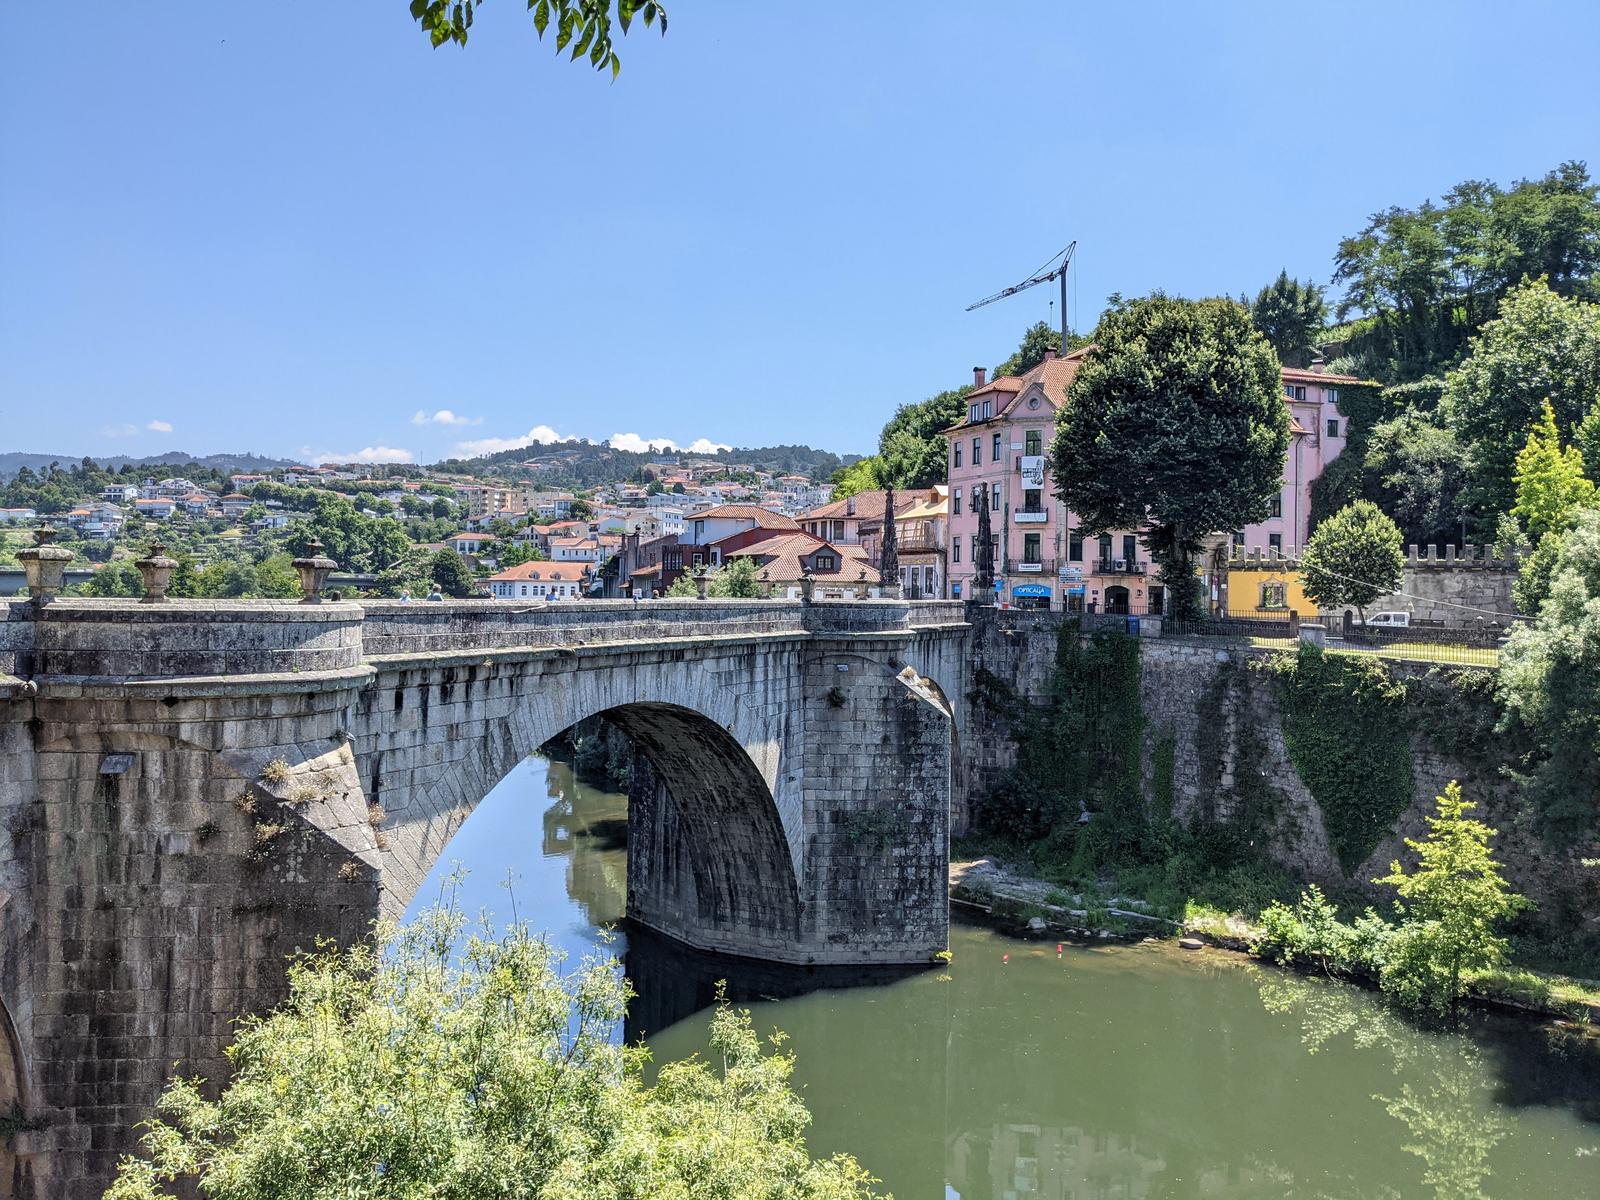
192 791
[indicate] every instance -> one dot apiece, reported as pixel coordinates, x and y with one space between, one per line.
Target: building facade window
1105 547
1277 505
955 500
988 409
825 562
994 499
1331 395
1130 548
956 461
972 414
977 452
1075 546
994 448
1030 548
1274 596
955 550
1033 443
1275 543
1333 427
1032 500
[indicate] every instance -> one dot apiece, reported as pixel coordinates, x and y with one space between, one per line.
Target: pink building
1042 557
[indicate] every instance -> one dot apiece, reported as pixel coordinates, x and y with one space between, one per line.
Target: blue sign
1030 589
1075 591
955 591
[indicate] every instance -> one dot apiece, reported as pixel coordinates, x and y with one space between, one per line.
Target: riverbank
1026 905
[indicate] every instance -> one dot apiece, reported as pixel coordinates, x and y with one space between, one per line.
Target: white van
1388 620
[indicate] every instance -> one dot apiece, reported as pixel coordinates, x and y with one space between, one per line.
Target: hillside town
682 522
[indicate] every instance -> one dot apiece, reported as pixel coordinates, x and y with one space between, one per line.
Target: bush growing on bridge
396 1069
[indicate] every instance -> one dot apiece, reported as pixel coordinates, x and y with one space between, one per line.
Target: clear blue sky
291 227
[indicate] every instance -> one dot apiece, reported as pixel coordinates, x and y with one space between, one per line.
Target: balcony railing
1119 566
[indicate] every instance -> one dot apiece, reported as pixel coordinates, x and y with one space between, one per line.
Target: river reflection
1133 1072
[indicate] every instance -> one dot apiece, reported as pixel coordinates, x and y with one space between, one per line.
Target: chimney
850 507
978 374
1316 364
1049 353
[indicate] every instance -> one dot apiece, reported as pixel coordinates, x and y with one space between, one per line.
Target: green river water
1129 1072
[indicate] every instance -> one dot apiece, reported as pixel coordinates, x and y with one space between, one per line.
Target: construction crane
1055 268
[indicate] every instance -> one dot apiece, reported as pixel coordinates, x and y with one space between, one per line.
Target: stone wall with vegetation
1314 766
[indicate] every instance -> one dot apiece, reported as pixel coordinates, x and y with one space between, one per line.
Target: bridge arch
13 1108
710 859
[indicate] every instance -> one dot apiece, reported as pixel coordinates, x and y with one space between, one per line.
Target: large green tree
1418 473
1542 346
1420 281
1354 557
1291 315
1550 683
352 539
912 448
428 1065
585 25
1551 486
1175 426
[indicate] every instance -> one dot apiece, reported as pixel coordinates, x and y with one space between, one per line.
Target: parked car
1387 620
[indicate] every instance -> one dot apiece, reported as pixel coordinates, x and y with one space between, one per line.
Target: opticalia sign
1032 470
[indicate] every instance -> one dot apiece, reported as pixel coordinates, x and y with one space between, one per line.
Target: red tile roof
543 572
779 557
1296 375
765 518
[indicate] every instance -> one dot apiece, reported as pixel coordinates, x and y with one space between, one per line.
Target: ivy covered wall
1224 757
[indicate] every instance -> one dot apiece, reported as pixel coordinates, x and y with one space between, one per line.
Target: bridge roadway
191 791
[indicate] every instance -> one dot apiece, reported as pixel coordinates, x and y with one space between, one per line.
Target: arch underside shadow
11 1107
708 861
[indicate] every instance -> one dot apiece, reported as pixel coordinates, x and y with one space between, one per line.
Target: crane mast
1055 268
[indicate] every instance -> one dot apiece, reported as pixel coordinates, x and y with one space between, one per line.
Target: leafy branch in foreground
421 1064
585 25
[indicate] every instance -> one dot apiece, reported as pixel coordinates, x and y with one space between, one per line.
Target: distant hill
13 461
584 464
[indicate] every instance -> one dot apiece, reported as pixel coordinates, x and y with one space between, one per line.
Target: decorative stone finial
44 566
703 582
808 587
157 571
314 570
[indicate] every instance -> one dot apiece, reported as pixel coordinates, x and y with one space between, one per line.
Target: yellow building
1266 589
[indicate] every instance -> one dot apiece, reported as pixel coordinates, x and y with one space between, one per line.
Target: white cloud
444 417
118 431
368 454
642 445
159 426
538 434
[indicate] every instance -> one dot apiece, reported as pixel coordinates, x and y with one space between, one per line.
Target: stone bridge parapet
192 790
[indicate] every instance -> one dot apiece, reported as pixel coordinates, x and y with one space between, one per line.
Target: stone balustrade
108 639
125 639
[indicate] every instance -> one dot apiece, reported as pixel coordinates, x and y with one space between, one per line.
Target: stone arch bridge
190 791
